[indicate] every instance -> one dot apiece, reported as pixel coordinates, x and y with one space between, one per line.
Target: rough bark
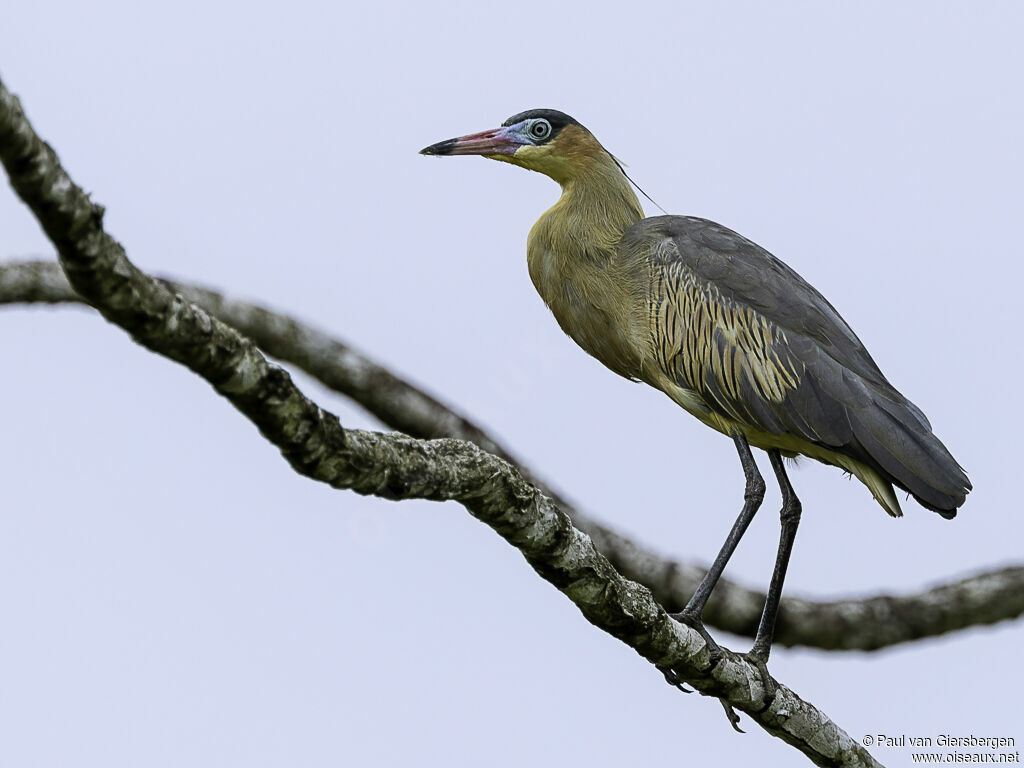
867 623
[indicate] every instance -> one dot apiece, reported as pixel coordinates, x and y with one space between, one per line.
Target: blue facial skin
535 131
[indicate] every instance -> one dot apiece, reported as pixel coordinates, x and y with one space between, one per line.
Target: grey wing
761 346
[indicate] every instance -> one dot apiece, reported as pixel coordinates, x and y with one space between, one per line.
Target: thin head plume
638 188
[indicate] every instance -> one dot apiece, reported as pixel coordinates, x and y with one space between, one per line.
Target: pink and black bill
498 141
533 127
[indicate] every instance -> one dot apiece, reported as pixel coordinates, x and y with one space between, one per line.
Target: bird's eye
540 129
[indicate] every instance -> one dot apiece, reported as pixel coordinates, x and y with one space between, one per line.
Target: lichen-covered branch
866 623
391 466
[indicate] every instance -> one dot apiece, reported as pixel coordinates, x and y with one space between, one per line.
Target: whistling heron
725 329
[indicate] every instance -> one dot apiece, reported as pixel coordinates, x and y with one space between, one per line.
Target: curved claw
677 682
734 719
674 680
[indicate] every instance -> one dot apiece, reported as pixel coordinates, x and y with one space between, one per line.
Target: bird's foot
694 621
760 660
756 656
715 653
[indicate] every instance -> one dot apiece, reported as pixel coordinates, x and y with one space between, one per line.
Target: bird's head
543 140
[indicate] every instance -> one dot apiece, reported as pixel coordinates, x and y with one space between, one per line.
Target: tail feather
899 440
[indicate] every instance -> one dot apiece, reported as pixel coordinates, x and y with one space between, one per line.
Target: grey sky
174 595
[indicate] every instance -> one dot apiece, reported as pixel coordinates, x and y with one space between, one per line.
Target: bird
728 331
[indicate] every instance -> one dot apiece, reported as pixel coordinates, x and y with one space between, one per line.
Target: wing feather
761 346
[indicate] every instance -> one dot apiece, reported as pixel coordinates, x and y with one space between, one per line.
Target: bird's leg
790 516
752 495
